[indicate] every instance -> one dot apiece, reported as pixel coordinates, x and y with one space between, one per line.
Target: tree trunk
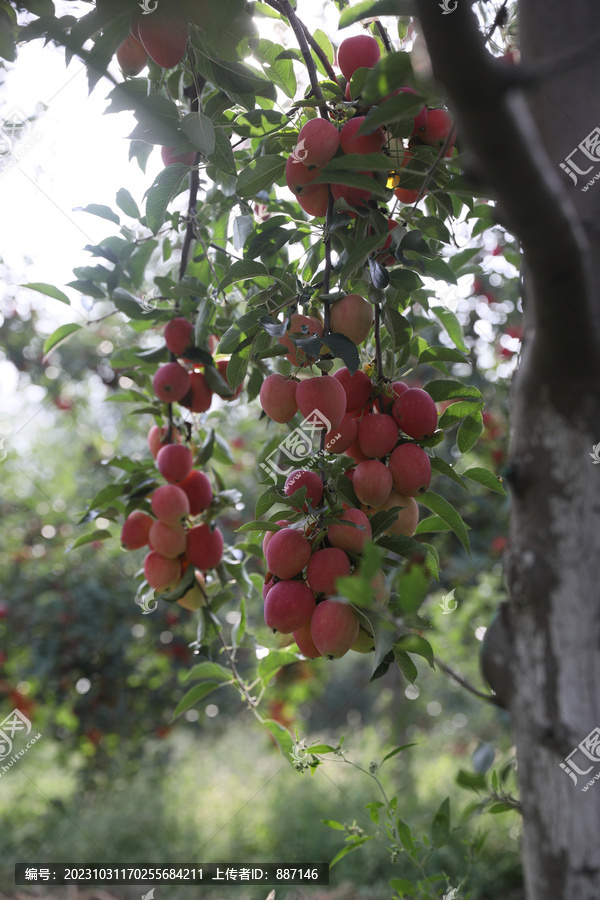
553 557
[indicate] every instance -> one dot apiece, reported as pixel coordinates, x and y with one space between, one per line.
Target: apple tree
295 255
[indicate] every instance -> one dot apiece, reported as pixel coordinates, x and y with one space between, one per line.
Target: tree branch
305 50
509 156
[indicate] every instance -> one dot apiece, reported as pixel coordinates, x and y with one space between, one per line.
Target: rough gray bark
518 138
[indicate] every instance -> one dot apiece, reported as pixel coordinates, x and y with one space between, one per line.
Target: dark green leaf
446 511
195 695
406 665
452 326
414 643
259 175
368 9
440 829
166 186
98 535
201 132
469 432
452 390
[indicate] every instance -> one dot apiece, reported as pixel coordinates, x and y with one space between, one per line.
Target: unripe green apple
136 529
196 596
365 642
289 606
278 397
171 382
411 469
170 504
334 628
352 316
288 552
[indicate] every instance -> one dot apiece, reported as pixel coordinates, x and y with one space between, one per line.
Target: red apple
415 413
358 52
323 395
411 469
165 38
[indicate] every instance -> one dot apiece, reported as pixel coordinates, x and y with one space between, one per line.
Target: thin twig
489 698
384 36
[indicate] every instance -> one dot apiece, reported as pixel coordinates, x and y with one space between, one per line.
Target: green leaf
440 829
432 525
238 367
446 511
127 204
452 390
320 748
242 270
414 643
469 432
356 843
103 212
194 695
500 808
222 156
207 671
399 327
201 132
49 290
98 535
282 737
486 478
166 186
368 9
59 336
259 175
402 886
405 664
8 37
452 326
440 465
273 662
345 349
395 752
472 780
458 411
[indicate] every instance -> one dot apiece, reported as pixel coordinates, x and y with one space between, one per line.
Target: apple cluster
373 426
320 140
173 534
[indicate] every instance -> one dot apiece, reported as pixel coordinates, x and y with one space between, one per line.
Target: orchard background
293 216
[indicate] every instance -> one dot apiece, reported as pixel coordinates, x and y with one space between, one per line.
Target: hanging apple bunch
319 141
179 532
372 426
